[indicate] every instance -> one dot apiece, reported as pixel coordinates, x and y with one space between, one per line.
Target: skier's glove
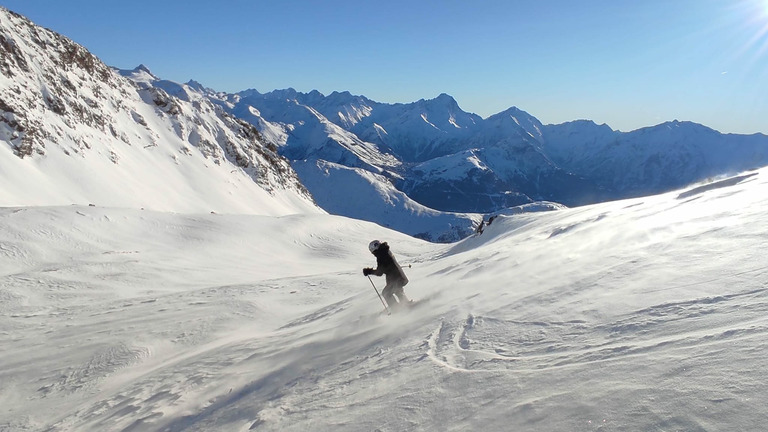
367 271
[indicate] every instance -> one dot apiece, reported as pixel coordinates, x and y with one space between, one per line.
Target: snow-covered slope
647 314
72 130
360 194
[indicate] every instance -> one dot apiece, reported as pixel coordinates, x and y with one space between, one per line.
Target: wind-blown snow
644 314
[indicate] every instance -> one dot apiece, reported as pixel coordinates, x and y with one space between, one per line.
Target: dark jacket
387 265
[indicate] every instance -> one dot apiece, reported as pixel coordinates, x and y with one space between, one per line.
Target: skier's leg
398 291
387 293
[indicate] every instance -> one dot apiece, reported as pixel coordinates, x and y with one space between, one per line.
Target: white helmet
374 246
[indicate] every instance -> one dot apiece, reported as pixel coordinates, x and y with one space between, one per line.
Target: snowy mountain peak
315 94
516 122
586 123
198 87
442 103
516 114
347 99
285 94
685 124
248 93
513 111
88 133
140 73
344 95
142 68
678 128
446 99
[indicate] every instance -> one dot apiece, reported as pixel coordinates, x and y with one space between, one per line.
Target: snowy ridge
417 131
629 315
669 155
360 194
68 118
308 133
574 163
515 122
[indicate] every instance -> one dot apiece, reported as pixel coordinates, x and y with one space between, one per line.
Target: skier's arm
369 271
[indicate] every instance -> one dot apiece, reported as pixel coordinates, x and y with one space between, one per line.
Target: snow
426 120
87 134
360 194
452 167
643 314
136 177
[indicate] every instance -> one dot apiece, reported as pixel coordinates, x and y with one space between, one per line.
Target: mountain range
128 138
451 160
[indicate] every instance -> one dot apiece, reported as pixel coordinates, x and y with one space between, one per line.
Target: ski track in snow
484 343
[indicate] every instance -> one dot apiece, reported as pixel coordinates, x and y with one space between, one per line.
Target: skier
387 265
479 229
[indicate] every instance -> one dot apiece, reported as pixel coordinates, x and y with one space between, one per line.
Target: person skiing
387 265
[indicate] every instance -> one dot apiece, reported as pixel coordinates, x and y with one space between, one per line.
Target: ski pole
386 308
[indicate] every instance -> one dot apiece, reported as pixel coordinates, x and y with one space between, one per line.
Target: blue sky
629 64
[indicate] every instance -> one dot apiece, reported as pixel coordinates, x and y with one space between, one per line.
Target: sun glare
761 7
750 18
762 36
